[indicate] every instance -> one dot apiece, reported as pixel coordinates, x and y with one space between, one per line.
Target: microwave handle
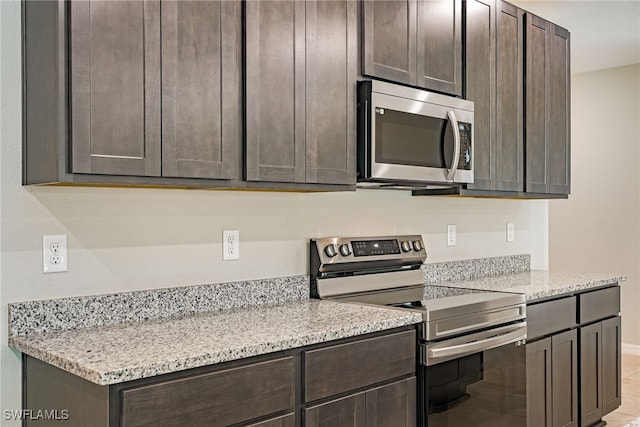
453 121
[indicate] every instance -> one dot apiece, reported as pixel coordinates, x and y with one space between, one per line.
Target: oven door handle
516 335
453 121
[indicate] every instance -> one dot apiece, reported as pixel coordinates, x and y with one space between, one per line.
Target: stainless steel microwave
409 137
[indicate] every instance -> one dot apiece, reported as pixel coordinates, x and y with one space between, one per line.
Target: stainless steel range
472 363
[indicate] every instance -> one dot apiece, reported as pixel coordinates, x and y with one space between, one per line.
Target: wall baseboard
631 349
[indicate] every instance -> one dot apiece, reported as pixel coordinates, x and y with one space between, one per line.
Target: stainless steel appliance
472 362
412 138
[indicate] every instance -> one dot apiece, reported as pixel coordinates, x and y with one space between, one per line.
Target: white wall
129 239
598 228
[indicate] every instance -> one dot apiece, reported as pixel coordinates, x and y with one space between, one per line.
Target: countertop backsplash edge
41 316
469 269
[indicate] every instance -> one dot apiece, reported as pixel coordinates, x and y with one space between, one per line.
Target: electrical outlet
510 232
230 245
451 235
54 253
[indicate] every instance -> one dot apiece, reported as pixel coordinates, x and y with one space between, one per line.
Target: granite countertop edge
392 319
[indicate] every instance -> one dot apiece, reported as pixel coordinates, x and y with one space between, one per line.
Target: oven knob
330 250
406 246
417 245
345 250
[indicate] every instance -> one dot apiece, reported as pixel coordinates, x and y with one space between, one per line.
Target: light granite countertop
535 285
110 354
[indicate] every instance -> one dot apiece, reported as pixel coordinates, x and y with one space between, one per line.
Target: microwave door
406 142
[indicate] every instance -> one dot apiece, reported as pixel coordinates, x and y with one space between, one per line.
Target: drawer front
551 316
220 398
600 304
341 368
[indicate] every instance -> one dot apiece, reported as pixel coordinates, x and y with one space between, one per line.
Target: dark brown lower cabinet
552 381
391 405
574 359
599 370
373 386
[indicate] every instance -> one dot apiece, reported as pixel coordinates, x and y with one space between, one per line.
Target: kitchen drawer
551 316
600 304
341 368
223 397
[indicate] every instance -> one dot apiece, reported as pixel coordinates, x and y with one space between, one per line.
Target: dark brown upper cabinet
548 113
155 89
414 42
146 91
201 124
115 87
494 82
301 71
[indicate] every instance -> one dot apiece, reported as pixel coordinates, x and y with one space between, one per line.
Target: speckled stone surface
476 268
35 317
537 284
435 292
124 352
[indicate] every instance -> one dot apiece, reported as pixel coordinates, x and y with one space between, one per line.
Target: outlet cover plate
230 245
54 253
451 235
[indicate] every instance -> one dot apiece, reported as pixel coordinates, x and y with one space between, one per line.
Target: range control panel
353 249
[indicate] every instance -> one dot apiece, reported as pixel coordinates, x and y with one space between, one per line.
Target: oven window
482 390
412 139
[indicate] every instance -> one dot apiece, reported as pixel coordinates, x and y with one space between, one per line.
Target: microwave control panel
465 146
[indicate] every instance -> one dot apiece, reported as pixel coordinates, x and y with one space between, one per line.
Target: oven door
482 389
412 140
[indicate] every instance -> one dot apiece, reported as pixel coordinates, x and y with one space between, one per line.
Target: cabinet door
439 46
346 412
201 120
558 111
591 373
564 383
392 405
611 364
480 88
536 33
115 87
389 43
275 91
539 410
548 107
331 73
509 149
222 398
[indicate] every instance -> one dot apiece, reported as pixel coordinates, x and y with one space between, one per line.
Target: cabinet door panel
346 412
337 369
559 111
332 53
611 364
392 405
539 383
564 371
590 373
224 397
115 87
481 87
439 45
389 45
200 70
509 149
536 104
275 91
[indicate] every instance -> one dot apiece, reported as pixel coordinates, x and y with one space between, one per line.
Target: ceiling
604 33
